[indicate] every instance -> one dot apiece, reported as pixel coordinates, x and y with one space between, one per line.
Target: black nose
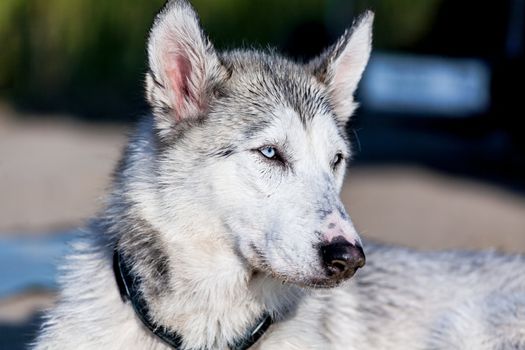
342 259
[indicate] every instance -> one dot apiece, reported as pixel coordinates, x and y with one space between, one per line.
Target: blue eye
268 152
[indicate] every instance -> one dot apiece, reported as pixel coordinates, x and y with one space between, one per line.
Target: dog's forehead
318 131
269 83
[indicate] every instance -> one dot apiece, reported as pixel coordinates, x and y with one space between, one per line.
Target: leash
129 291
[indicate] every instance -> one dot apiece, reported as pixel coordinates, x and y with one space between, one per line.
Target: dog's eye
337 160
269 152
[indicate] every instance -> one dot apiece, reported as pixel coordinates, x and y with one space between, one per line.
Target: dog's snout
342 258
337 228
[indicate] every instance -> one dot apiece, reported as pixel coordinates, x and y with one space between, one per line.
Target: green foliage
89 56
63 51
400 23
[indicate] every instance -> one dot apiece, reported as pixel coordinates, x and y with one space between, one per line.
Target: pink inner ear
179 71
346 74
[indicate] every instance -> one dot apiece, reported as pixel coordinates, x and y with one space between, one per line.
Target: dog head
258 143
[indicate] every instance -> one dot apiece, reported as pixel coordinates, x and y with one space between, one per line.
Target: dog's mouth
306 283
320 283
321 279
326 281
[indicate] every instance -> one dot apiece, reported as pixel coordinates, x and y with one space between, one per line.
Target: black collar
129 291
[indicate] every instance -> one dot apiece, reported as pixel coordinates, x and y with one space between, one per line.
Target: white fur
219 234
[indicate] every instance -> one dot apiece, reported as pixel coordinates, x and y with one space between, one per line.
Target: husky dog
224 229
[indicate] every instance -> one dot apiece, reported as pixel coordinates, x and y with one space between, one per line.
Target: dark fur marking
342 212
254 128
142 247
222 152
154 79
323 213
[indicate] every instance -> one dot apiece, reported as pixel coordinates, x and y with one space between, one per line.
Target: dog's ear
183 66
340 67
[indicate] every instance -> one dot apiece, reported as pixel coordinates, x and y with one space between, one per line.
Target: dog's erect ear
183 65
341 66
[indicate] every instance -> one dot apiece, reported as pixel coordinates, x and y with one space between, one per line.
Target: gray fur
219 234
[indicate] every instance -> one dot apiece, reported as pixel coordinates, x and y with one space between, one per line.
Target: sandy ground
428 210
53 175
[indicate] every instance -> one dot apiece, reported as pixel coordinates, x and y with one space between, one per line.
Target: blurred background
439 151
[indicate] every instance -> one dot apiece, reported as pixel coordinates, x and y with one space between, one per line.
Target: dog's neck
206 295
129 287
194 283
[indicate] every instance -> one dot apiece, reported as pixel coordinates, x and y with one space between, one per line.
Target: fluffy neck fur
192 277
